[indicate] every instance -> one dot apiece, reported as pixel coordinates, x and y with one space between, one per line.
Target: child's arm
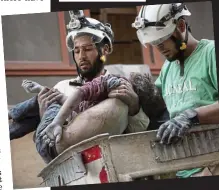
53 132
70 104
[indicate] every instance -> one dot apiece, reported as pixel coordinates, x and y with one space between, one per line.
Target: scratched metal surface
133 155
70 170
198 143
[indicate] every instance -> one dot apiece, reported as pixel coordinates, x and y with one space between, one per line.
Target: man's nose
82 54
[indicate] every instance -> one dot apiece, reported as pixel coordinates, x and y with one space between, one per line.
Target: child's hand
51 134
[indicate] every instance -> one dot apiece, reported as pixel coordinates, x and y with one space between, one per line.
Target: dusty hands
175 129
31 86
48 96
51 134
126 94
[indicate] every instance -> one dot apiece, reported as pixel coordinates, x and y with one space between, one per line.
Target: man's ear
105 50
181 25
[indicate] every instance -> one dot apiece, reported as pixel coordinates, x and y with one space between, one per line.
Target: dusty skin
109 116
31 86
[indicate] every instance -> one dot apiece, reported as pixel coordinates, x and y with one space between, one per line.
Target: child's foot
31 86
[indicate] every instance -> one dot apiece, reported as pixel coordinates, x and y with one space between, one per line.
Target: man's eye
76 51
88 49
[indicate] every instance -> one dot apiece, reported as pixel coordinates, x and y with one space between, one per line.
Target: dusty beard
95 69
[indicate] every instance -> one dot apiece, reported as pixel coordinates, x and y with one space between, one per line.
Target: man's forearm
70 104
208 114
134 109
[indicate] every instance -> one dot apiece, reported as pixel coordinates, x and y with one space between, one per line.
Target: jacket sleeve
99 87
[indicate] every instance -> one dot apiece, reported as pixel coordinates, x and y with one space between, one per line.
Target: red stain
91 154
103 176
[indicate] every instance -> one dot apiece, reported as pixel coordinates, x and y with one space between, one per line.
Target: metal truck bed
106 159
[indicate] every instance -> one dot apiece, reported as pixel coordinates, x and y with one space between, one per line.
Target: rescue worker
90 42
188 78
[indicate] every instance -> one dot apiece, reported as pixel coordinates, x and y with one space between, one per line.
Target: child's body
113 121
93 93
105 115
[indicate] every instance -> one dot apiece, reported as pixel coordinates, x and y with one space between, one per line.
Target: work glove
176 128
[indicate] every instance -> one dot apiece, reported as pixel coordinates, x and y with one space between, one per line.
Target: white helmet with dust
156 23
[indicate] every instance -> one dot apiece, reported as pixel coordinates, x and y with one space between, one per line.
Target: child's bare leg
109 116
31 86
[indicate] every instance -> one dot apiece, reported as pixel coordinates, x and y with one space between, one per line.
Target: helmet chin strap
181 46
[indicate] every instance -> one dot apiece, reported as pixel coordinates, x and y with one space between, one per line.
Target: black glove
178 127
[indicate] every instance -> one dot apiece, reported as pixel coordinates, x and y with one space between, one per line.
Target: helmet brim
150 35
74 33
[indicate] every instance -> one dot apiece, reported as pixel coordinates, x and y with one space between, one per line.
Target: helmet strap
181 46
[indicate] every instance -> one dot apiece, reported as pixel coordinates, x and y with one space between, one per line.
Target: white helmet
156 23
80 24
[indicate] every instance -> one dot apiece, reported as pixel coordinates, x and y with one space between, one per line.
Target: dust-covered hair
150 98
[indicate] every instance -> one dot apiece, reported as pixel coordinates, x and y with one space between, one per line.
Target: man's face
168 49
86 57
